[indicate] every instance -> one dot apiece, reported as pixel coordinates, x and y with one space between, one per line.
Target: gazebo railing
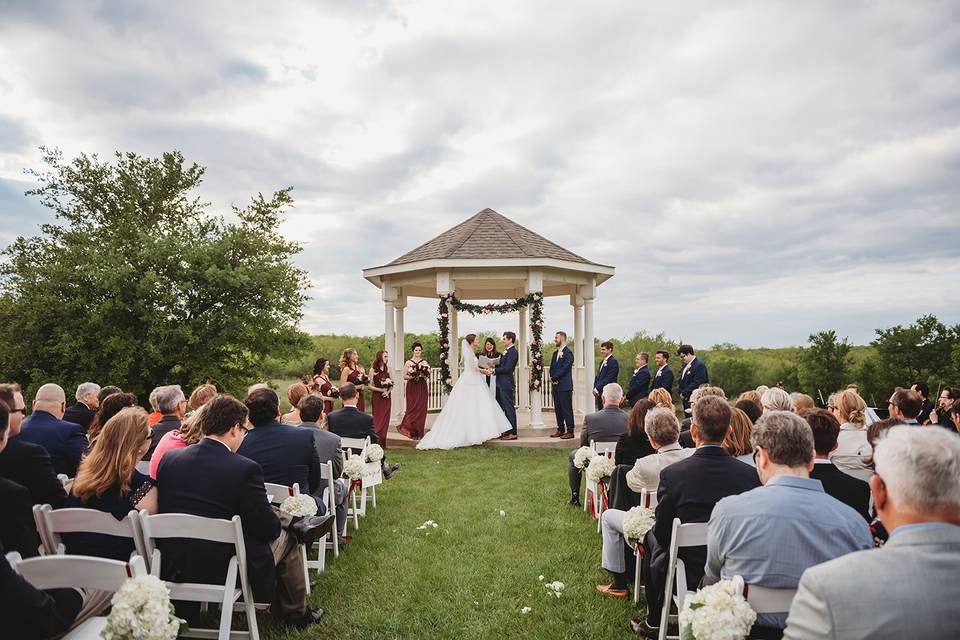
436 394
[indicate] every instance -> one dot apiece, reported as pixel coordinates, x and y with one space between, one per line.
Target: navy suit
608 372
505 385
561 373
663 379
691 378
286 455
64 441
79 414
29 464
207 479
350 422
638 389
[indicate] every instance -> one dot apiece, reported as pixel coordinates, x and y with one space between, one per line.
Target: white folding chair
355 443
647 499
180 525
64 480
368 484
51 523
276 494
607 448
766 599
144 467
65 572
693 534
358 505
328 540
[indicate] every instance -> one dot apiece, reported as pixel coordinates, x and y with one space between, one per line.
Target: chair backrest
766 599
64 480
354 443
692 534
648 498
144 467
182 525
326 483
277 493
56 522
604 447
85 572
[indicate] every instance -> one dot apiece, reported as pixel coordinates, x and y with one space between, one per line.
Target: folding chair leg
306 570
226 607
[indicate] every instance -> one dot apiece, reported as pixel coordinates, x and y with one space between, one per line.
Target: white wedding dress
471 415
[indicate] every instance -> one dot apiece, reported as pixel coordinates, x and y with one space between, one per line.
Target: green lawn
470 576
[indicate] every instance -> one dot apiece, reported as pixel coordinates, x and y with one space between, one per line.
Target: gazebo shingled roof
488 234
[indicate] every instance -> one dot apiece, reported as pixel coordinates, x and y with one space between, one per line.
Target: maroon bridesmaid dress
381 408
325 391
415 418
354 376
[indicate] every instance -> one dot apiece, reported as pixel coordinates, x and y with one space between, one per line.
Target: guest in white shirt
849 409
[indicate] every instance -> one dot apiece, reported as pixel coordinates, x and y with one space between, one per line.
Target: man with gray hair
172 406
88 400
908 588
64 441
605 425
771 534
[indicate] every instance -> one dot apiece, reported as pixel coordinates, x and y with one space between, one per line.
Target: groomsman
639 385
505 384
693 375
608 372
561 375
663 378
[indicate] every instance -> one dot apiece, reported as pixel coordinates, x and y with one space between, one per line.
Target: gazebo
490 257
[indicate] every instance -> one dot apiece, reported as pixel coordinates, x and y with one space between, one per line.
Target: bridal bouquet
333 393
386 383
600 467
354 467
582 457
373 453
638 521
717 612
301 505
141 610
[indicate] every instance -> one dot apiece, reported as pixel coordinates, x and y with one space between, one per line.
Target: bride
471 415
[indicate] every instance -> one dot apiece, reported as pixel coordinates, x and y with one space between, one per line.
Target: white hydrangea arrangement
638 521
582 457
717 612
301 505
141 610
373 453
600 467
354 467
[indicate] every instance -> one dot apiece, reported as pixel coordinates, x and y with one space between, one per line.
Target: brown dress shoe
508 436
608 590
557 434
567 436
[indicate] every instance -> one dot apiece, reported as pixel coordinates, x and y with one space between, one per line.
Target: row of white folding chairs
592 488
368 485
694 534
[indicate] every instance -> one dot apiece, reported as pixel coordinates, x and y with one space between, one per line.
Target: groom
505 386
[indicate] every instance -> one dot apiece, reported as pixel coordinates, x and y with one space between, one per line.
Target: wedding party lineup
410 320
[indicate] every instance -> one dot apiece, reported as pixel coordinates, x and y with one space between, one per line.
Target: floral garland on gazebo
533 300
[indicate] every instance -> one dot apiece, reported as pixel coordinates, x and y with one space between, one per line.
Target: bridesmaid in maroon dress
415 418
380 387
352 371
322 384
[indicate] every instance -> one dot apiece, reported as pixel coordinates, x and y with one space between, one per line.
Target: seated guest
64 441
748 533
634 444
850 411
190 432
17 531
949 398
905 405
295 392
908 588
686 439
688 490
662 429
155 414
108 390
172 405
605 425
801 402
350 422
661 397
111 406
88 400
29 613
208 479
955 417
853 492
108 480
862 466
285 453
328 451
737 442
752 396
200 396
752 409
26 463
927 406
776 399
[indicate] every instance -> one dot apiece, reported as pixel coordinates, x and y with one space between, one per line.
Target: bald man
64 441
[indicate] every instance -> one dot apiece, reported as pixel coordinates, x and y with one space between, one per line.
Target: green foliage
921 351
136 284
822 367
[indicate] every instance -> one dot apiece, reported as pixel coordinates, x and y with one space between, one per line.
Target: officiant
489 359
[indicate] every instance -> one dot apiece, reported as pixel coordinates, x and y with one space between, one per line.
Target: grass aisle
470 576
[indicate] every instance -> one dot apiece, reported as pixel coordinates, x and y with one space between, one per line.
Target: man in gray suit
606 425
328 450
908 588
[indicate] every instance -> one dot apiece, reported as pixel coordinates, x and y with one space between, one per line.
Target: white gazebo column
578 376
397 357
454 346
534 285
523 362
589 353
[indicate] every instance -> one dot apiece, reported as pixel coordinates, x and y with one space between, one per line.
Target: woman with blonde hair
108 480
201 395
737 440
295 393
752 396
352 371
662 398
850 410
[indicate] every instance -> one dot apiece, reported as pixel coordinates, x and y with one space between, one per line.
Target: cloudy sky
755 171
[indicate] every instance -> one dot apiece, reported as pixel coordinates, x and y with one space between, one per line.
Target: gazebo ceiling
488 256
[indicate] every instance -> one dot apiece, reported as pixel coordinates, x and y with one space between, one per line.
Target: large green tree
921 351
136 283
822 367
